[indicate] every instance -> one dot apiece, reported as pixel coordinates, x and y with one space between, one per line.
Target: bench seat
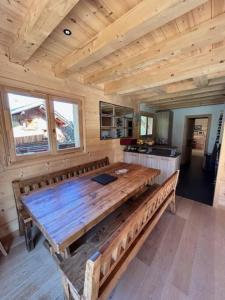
104 253
74 267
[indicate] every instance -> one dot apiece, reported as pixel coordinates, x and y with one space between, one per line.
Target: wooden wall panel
34 79
219 197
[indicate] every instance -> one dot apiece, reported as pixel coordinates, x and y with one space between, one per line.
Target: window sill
48 158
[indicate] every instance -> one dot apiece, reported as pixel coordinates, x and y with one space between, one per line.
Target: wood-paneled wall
40 78
219 197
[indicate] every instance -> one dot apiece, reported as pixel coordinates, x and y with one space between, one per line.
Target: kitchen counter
165 163
155 153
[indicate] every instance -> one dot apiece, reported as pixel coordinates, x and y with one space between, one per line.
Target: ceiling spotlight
67 31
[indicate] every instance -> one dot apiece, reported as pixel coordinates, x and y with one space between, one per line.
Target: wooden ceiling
167 53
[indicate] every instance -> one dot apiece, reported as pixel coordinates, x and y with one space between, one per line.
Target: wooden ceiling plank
203 102
217 80
190 97
191 67
201 81
180 86
145 17
147 95
190 102
190 105
206 100
159 90
41 19
202 35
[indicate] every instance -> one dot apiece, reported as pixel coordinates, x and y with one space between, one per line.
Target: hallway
194 183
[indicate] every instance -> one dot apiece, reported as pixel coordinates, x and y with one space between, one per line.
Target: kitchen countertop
154 153
161 146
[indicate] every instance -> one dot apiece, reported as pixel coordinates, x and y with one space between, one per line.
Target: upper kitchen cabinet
164 121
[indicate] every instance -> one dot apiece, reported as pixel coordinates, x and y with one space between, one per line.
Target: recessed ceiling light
67 31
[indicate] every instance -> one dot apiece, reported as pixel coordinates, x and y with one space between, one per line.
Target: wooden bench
103 254
21 187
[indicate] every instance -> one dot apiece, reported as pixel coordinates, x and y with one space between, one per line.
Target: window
40 124
143 125
29 124
146 126
66 125
150 126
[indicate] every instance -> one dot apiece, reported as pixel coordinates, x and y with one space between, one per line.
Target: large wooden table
65 211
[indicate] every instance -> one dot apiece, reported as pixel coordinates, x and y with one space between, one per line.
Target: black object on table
104 178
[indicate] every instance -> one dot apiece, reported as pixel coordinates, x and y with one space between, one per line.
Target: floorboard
184 258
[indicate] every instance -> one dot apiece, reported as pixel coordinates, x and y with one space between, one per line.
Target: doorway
196 178
200 134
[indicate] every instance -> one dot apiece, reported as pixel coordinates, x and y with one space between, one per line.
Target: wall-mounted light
67 31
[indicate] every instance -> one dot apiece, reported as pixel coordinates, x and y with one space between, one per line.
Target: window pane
143 125
67 125
29 123
150 126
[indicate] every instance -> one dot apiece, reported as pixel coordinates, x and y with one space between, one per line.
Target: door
189 140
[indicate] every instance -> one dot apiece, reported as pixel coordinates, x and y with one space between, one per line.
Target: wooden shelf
108 116
115 131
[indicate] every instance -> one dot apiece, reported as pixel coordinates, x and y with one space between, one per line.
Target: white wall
179 120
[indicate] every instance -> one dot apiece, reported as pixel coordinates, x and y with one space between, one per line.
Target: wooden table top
66 210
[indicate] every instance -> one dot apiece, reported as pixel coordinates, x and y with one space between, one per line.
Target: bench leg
28 236
21 225
172 205
66 289
65 254
2 249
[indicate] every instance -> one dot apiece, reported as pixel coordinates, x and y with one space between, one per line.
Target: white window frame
10 147
53 128
147 115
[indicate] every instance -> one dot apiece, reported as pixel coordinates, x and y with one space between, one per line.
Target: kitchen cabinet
164 120
131 158
167 165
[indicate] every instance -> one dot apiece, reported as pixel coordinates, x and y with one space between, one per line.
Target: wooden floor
184 258
194 182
